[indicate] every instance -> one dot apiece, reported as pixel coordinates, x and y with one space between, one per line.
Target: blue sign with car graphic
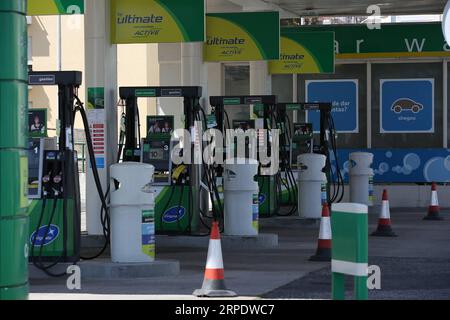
407 105
343 95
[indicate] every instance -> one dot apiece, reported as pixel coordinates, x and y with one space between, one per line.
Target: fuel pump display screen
303 140
244 124
35 163
157 153
303 130
159 125
37 123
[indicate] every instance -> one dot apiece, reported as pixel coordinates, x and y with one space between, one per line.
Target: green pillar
349 228
13 155
338 286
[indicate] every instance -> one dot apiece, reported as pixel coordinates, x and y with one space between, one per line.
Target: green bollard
349 225
13 155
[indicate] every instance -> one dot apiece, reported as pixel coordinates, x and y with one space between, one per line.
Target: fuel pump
259 109
302 141
55 210
286 181
54 233
176 186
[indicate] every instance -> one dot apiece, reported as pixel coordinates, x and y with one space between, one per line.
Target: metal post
445 102
369 104
13 157
295 96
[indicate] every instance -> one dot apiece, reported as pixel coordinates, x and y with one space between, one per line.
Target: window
237 83
282 87
237 80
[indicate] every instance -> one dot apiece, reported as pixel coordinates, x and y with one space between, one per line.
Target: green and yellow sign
305 52
55 7
157 21
244 36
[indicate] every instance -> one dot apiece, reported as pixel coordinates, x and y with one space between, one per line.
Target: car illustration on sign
405 104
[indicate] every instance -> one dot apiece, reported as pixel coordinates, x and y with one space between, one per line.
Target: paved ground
416 265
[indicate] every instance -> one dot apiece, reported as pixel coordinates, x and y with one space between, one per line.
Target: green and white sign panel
349 255
157 21
55 7
243 36
305 53
391 41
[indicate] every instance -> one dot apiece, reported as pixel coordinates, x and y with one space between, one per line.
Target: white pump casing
361 175
128 202
311 182
241 197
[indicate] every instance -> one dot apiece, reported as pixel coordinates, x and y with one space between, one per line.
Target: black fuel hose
104 214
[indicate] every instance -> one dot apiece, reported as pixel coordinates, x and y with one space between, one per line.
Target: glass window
282 87
237 83
237 80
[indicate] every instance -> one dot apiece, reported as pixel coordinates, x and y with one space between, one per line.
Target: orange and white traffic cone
214 283
323 252
433 209
384 222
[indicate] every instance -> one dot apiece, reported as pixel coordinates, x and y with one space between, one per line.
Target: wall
44 50
137 64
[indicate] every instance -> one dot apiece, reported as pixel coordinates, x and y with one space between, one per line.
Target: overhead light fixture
446 22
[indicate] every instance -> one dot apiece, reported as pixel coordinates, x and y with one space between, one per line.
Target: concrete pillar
192 63
215 79
101 72
169 57
195 73
260 79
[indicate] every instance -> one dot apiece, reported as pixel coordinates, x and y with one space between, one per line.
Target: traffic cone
433 209
323 252
214 283
384 222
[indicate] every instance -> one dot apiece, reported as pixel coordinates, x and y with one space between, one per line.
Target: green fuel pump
298 138
54 234
262 108
176 186
54 231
